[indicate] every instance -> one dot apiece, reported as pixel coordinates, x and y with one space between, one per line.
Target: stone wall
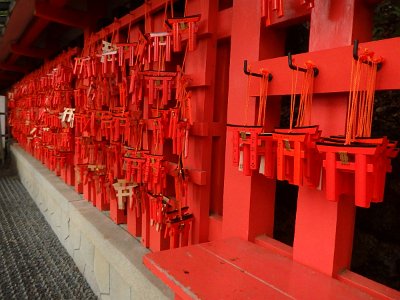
108 256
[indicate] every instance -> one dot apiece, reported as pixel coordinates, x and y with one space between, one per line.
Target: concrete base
108 257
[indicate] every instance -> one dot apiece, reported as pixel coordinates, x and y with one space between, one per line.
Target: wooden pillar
200 67
324 230
248 201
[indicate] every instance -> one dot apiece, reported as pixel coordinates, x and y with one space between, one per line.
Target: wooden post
324 230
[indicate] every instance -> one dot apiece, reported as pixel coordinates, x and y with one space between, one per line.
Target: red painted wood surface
200 66
145 240
117 215
248 201
374 288
134 221
102 203
334 74
238 269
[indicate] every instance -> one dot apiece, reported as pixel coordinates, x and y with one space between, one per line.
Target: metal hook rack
246 71
356 57
296 68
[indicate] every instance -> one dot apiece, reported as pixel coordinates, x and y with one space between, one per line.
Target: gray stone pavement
33 262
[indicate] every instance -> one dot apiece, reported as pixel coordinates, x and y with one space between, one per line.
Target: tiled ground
33 263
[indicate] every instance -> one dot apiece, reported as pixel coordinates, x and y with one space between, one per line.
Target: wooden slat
238 269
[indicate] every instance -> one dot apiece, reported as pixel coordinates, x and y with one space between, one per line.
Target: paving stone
119 289
33 263
87 250
102 272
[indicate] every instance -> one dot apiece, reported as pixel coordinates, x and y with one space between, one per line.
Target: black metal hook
355 55
355 50
296 68
246 71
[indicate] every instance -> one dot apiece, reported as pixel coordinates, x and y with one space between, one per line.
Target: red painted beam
18 22
32 52
223 29
334 74
69 17
29 36
131 18
33 31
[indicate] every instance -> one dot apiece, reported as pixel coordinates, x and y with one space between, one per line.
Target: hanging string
353 101
369 101
293 96
263 98
372 96
351 96
184 11
362 100
179 185
246 114
304 113
184 59
172 8
165 13
182 95
129 31
139 50
361 97
306 94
